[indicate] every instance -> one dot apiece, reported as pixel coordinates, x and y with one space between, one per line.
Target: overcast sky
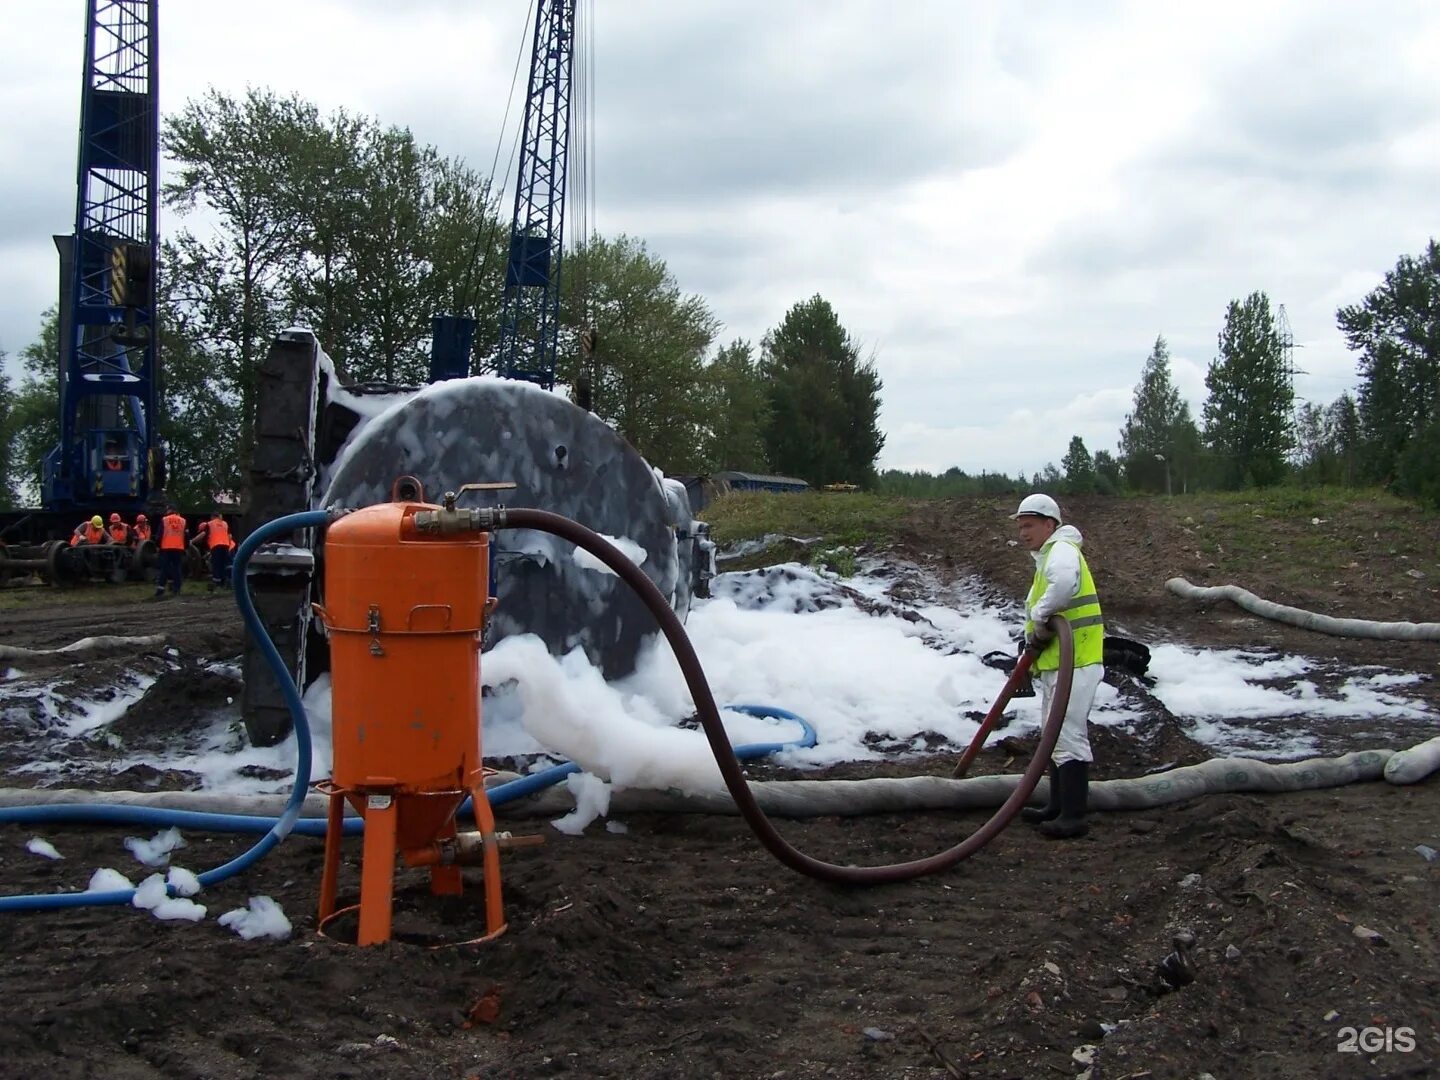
1005 202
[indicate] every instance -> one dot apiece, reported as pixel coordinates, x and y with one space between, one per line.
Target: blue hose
160 817
279 827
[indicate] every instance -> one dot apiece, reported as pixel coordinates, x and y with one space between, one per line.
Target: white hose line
885 795
839 798
1308 620
84 645
199 802
1415 764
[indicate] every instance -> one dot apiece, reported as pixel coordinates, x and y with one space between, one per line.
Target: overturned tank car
322 444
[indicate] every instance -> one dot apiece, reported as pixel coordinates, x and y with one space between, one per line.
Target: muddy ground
681 949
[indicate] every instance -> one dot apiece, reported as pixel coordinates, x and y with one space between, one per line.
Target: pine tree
1079 468
1154 429
824 400
1248 415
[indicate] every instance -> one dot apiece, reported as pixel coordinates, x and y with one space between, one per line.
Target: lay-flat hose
709 715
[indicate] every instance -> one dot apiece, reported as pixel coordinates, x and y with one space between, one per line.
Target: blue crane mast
109 456
530 311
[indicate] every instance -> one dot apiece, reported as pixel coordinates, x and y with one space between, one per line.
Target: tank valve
448 519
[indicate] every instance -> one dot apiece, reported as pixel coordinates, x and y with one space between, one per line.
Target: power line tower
1286 334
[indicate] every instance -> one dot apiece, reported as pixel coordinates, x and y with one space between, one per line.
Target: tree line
1251 431
357 231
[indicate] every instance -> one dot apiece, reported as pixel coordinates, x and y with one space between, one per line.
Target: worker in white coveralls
1062 586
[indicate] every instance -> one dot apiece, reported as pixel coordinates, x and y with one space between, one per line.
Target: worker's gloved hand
1039 637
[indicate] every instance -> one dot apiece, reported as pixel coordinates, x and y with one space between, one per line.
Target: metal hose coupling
451 519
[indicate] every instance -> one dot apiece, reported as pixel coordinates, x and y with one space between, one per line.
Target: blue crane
109 456
530 313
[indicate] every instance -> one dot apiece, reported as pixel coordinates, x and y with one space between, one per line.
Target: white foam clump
592 800
107 880
624 739
262 918
182 882
155 851
151 896
629 548
37 846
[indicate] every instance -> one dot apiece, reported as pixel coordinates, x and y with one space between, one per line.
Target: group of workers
213 534
95 531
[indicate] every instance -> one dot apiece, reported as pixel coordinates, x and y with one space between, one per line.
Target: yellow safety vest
1082 613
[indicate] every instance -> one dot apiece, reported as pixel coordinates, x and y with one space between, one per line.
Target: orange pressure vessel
405 612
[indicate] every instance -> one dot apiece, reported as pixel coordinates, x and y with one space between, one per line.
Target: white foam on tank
443 398
629 548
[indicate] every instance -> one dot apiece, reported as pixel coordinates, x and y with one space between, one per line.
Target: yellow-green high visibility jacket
1081 611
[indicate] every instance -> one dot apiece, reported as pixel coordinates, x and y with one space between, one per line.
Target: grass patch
1306 538
838 519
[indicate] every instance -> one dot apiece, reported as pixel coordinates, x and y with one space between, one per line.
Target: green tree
1049 480
1396 331
1108 477
824 399
1420 466
239 164
1342 421
1188 456
1248 411
200 417
1079 468
8 497
332 221
736 410
647 371
1155 429
34 421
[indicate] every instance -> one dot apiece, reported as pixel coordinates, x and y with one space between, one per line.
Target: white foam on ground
262 917
38 846
155 851
869 666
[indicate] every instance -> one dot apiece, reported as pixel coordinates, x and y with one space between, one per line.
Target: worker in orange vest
141 531
170 564
216 533
119 531
90 532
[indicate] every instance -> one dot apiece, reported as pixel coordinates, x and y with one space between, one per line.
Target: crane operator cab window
115 460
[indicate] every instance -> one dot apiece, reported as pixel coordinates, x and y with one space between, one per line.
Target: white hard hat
1040 505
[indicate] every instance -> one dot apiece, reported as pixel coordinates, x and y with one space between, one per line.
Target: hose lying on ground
1308 620
840 798
1415 764
84 645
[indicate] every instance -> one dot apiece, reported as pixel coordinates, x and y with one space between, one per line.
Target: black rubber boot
1074 795
1034 815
